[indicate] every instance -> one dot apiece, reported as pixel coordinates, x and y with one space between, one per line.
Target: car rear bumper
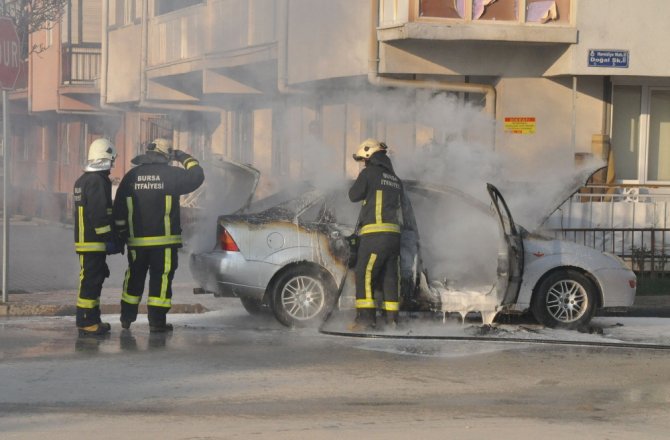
228 274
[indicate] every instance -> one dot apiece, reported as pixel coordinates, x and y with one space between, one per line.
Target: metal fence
632 222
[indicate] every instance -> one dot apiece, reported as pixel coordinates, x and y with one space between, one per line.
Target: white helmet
161 145
101 155
368 148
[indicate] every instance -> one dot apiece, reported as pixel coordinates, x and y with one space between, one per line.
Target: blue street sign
608 58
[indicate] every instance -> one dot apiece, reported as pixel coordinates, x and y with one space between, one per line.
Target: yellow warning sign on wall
520 125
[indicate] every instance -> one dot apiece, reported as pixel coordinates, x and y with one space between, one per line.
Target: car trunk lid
231 185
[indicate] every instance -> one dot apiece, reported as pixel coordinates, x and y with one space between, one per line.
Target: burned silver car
288 252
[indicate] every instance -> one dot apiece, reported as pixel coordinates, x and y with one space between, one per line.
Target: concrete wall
639 27
45 73
123 71
327 39
550 102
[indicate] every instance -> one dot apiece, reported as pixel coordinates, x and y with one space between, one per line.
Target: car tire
564 299
252 305
301 297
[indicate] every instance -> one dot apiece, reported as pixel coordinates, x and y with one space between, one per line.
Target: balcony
176 36
81 64
240 26
527 21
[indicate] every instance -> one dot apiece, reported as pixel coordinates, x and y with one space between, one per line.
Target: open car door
510 268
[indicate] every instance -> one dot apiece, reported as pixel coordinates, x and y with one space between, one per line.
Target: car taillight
226 241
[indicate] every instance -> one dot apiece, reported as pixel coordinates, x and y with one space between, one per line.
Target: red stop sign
10 53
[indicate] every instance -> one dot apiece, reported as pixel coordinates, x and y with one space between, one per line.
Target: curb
70 310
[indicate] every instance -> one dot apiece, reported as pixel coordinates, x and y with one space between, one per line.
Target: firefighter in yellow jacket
146 211
94 234
380 190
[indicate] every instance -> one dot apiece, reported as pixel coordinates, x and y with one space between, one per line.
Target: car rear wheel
302 297
564 299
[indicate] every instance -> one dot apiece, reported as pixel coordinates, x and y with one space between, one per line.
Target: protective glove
113 247
180 155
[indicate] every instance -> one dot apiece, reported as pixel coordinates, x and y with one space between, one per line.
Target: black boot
160 328
99 329
365 320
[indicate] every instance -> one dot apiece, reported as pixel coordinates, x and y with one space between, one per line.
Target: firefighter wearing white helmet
146 211
380 190
101 155
368 148
94 234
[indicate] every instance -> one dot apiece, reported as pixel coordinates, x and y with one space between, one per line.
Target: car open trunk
229 187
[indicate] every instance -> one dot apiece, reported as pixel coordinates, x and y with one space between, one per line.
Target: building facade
55 112
263 81
246 78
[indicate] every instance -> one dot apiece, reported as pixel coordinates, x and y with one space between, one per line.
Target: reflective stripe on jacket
92 197
146 207
380 190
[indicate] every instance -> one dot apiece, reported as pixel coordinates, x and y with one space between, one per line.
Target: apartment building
258 80
56 112
245 78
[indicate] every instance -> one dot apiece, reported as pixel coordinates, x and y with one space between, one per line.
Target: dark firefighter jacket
92 211
146 206
381 192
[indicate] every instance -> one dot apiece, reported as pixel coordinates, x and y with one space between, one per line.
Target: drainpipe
373 72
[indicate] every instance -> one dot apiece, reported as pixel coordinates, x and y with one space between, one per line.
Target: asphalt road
227 375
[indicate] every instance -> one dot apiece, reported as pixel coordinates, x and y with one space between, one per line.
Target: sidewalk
62 302
44 275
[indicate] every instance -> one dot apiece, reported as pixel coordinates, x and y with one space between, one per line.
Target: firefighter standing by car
94 234
380 225
146 211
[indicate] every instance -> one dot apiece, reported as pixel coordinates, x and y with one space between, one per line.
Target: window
626 104
536 11
83 145
25 146
440 8
641 133
541 11
165 6
49 143
49 36
124 12
242 136
64 141
658 165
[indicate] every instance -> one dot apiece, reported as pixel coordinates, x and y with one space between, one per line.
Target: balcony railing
631 222
177 35
81 63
